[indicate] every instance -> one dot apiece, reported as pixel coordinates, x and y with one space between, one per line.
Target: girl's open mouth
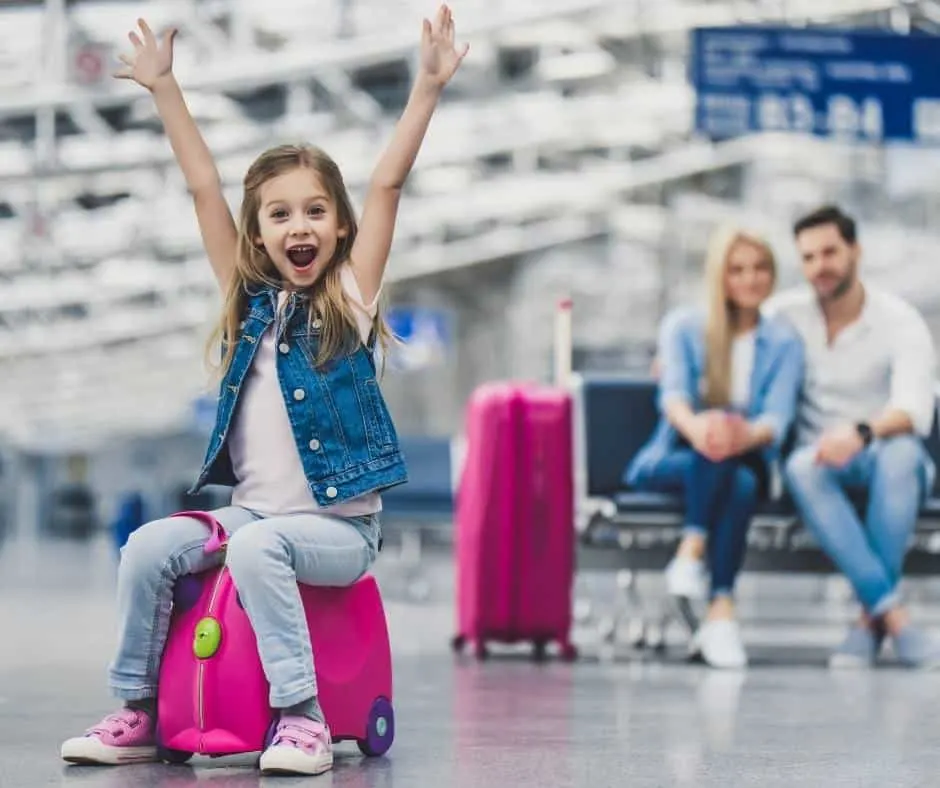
302 255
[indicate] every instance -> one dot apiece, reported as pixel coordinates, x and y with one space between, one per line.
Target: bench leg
628 607
642 627
410 554
582 604
687 614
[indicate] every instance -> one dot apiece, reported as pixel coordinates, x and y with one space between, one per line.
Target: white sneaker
686 577
126 736
719 644
300 746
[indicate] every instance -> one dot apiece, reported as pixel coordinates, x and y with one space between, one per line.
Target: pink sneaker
123 737
300 746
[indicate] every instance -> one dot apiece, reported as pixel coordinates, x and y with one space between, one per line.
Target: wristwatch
864 432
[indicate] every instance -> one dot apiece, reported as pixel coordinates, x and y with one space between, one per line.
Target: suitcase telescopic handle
217 537
562 349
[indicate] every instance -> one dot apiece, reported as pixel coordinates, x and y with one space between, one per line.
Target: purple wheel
186 592
380 729
269 734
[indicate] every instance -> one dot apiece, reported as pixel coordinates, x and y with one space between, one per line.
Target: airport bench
632 531
615 416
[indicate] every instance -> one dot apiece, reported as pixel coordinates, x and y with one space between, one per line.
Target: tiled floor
632 722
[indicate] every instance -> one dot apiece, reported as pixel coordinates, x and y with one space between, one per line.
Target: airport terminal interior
567 180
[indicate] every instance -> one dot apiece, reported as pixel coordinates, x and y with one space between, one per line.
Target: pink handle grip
217 538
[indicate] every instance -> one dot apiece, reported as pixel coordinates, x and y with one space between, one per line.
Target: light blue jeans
896 474
267 557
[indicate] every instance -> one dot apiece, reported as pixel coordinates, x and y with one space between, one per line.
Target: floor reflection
349 771
640 720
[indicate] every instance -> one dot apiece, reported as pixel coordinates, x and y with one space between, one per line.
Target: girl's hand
440 59
151 61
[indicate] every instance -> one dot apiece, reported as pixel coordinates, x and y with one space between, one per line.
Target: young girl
302 431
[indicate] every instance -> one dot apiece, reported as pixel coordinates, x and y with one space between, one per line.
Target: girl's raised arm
151 65
439 61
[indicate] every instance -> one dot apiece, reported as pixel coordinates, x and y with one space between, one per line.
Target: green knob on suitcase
207 638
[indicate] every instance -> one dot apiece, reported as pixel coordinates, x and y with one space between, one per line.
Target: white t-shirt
884 359
742 366
261 442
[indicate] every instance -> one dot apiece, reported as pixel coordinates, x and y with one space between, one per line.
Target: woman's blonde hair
253 267
720 318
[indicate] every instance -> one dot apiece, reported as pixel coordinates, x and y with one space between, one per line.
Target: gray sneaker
915 649
858 650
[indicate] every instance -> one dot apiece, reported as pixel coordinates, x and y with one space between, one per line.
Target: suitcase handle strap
218 539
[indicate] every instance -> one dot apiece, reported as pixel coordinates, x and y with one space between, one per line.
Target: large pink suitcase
515 519
213 694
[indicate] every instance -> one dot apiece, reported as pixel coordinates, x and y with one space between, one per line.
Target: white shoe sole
850 662
697 652
731 664
290 760
89 750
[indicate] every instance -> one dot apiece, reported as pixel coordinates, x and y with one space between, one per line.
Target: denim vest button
299 394
283 347
330 492
314 445
317 323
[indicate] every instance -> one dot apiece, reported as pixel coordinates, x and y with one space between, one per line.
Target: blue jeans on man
892 477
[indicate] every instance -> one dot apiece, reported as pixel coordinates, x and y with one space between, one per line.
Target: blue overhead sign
865 86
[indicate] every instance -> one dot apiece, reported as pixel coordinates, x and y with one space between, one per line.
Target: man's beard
843 287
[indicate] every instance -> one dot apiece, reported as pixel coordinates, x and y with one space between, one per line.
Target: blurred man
867 397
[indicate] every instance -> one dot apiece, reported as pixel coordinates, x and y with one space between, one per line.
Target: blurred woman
729 380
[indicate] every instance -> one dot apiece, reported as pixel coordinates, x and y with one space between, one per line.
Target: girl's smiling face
299 226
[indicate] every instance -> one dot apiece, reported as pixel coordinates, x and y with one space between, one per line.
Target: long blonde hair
253 267
720 318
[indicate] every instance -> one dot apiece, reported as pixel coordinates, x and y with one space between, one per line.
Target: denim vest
342 427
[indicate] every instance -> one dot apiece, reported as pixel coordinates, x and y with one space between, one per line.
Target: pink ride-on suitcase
515 520
213 694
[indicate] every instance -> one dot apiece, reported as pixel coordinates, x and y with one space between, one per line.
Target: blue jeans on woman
720 498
